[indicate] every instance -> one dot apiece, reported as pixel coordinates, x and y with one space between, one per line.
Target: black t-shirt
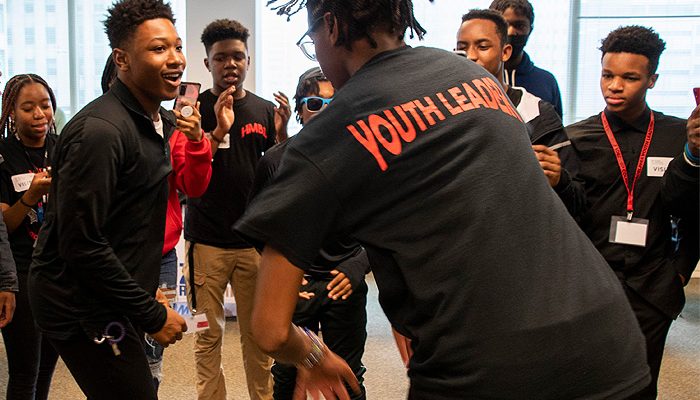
209 218
422 160
19 160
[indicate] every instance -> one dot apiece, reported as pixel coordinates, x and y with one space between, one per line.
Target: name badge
632 232
22 182
196 323
656 166
226 143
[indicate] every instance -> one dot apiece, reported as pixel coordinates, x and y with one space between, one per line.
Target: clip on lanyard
621 161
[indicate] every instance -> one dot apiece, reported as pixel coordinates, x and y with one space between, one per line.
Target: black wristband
21 200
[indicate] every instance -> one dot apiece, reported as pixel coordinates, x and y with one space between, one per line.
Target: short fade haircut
125 16
360 17
635 39
522 7
493 16
224 29
308 85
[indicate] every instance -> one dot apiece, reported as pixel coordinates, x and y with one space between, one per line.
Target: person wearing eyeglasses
333 295
242 126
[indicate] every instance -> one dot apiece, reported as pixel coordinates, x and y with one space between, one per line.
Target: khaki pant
214 269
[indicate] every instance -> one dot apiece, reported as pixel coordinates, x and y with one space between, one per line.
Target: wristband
214 138
21 200
689 156
316 354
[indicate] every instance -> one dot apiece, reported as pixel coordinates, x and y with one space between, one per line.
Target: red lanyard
621 161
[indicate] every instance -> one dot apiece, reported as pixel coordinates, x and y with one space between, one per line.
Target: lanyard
621 161
29 159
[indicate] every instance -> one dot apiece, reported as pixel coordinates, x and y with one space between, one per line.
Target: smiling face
480 40
33 114
624 82
228 62
152 63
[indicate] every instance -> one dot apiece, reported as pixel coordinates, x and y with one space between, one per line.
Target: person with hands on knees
638 170
333 295
462 253
26 157
96 266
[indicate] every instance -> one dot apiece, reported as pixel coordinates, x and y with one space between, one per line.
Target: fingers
306 295
348 376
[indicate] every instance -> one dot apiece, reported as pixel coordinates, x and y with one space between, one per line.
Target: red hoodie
191 163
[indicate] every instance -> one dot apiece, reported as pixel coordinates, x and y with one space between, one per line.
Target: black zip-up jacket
8 272
99 251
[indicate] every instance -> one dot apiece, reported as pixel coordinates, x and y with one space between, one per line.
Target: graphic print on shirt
479 93
253 128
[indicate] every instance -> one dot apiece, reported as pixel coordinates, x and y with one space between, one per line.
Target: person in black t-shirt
26 152
216 256
483 36
480 265
644 221
333 295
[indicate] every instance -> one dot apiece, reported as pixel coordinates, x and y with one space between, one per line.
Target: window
74 52
29 36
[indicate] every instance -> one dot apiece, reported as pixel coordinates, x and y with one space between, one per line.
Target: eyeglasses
315 104
307 46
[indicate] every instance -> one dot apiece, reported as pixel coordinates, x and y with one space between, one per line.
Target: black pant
30 358
655 326
103 376
343 324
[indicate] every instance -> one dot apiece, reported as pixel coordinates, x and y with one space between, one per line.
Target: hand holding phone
696 92
187 98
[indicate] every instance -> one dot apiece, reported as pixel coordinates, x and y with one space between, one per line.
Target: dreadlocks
11 93
360 16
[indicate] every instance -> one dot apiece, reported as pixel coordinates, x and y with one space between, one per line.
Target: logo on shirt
422 113
251 128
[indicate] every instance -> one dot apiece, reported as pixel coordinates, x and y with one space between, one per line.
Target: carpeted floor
386 378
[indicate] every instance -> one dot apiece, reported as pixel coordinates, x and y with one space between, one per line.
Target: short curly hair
635 39
125 16
224 29
522 7
490 15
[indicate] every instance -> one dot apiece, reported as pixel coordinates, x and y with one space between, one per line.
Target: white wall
199 14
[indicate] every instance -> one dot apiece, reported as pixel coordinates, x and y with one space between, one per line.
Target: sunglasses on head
314 103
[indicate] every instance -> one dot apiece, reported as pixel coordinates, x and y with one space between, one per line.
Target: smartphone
187 94
696 92
460 53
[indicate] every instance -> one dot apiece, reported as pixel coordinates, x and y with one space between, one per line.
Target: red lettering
491 101
503 101
409 133
448 106
476 100
429 109
411 108
459 97
369 142
376 123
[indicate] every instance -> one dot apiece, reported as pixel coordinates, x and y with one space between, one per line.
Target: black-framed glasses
315 103
307 46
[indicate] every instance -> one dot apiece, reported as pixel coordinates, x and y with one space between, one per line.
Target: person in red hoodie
190 157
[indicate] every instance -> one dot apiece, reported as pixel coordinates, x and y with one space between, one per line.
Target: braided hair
11 93
360 16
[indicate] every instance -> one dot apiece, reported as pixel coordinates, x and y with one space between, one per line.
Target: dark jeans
655 326
30 358
343 326
154 351
103 376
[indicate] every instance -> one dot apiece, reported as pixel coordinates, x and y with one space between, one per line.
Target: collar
123 94
641 124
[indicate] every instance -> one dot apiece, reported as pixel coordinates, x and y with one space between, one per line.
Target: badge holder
631 231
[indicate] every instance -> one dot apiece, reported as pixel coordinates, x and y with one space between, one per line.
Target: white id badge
226 142
22 182
656 166
196 323
629 232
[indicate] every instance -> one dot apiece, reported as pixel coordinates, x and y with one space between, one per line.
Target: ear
507 52
652 81
206 63
333 27
121 59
